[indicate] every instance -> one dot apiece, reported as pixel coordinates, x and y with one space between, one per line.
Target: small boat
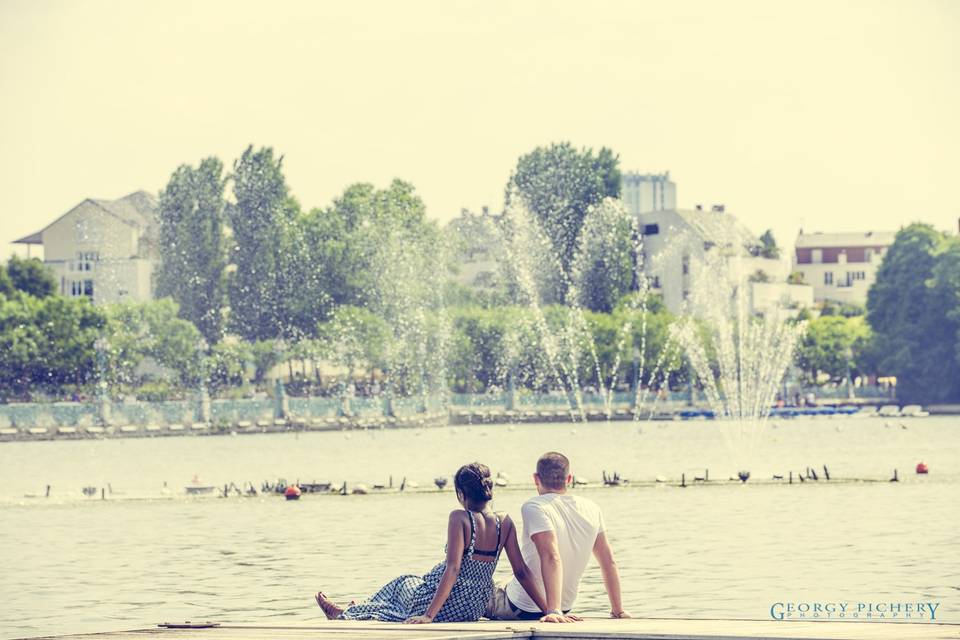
360 490
195 490
889 411
914 411
292 492
315 487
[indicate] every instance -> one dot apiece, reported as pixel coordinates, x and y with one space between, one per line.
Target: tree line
248 279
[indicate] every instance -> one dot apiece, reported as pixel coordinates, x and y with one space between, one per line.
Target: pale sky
834 115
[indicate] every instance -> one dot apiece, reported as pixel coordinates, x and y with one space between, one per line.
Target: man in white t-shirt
560 532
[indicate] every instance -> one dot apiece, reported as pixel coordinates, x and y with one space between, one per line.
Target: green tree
911 317
558 184
604 265
768 245
228 363
829 341
154 330
946 286
31 276
192 245
46 343
302 279
262 289
345 240
6 284
353 337
266 356
845 309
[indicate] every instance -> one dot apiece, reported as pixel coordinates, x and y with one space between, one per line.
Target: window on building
816 256
655 283
685 264
651 229
76 288
88 288
868 255
828 278
85 260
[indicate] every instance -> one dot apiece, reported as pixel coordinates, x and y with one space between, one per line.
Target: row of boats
293 490
886 411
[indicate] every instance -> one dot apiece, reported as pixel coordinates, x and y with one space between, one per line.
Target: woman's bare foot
331 610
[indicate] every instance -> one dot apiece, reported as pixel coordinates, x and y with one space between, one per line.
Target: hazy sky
834 115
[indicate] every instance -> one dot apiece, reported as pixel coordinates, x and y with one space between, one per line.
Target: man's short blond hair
553 469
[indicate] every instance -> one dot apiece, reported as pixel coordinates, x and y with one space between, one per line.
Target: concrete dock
635 629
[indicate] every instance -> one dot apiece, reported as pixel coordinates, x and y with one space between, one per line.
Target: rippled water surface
74 564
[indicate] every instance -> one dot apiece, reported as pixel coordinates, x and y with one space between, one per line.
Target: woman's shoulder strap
473 533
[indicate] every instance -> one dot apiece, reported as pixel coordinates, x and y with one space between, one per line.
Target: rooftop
636 176
854 239
717 226
138 208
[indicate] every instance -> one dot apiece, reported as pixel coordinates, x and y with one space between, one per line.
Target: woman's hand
419 620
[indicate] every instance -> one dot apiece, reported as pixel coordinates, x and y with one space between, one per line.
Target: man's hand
418 620
620 614
559 617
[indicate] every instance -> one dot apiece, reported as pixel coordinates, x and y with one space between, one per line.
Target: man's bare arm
611 575
552 571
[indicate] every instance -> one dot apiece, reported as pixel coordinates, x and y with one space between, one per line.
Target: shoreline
455 416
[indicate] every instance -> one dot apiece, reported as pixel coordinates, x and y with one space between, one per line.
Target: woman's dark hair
473 481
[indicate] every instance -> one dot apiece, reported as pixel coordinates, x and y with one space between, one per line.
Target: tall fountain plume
737 355
531 264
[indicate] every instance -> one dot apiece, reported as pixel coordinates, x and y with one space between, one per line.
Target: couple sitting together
560 532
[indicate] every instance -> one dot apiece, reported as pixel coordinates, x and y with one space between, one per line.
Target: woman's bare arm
520 569
455 542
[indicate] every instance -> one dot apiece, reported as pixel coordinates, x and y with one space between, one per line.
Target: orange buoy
292 492
922 468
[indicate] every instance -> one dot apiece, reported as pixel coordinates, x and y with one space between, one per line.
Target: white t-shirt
576 522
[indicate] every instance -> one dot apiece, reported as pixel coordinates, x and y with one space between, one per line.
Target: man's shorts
499 607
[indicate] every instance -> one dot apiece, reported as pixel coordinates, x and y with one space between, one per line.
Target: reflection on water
74 564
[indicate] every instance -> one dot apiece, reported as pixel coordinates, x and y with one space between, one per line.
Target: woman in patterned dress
457 589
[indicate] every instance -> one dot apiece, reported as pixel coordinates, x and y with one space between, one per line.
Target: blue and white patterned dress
410 595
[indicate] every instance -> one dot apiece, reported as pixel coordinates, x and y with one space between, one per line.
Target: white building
841 267
103 249
643 192
675 240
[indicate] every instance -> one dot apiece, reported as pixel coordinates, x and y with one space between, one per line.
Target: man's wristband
554 612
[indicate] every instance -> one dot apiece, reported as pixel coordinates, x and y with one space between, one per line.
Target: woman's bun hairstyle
474 483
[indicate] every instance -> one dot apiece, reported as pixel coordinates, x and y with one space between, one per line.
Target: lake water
75 564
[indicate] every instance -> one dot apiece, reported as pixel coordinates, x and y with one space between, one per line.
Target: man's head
553 473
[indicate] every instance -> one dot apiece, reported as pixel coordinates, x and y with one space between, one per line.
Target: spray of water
737 356
531 264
